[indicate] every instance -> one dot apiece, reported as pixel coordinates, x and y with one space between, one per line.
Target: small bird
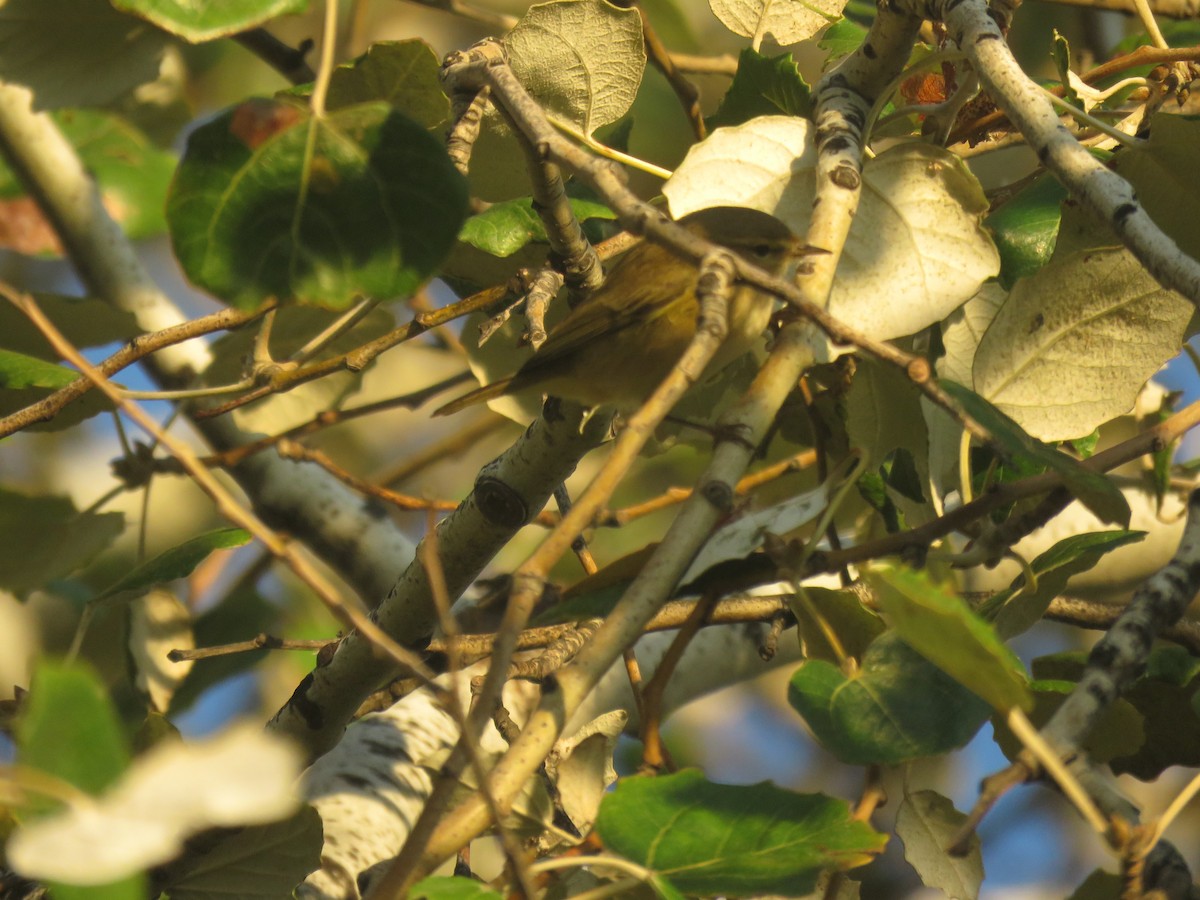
619 344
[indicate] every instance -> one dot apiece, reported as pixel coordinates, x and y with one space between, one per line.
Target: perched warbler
617 345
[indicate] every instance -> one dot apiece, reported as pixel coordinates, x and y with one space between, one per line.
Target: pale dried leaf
1074 343
243 777
581 767
786 22
159 622
917 248
926 823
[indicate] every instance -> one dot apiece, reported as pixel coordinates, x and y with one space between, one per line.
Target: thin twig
224 500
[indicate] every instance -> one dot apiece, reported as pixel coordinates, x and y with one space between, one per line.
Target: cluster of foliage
320 216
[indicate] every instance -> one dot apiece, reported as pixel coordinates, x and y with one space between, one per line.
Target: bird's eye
762 251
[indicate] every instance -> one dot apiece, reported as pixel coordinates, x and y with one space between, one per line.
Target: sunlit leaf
784 21
708 838
941 627
583 59
197 22
1076 341
916 249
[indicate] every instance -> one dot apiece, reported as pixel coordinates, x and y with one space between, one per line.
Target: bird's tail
479 395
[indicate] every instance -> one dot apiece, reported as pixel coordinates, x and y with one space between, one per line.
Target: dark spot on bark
375 508
868 51
836 144
987 36
500 504
846 177
1122 213
357 781
719 494
305 708
1038 321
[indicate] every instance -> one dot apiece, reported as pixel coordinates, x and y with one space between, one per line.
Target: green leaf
762 86
373 210
1060 52
946 632
84 321
197 22
1026 228
841 38
708 838
132 173
896 707
441 887
178 562
1100 885
75 52
403 74
132 888
1092 489
1016 609
1165 696
43 538
70 729
506 227
821 611
261 862
1120 730
20 371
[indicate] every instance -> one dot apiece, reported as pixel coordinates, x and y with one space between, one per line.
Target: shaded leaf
43 538
84 321
926 823
1120 730
1092 489
1016 609
373 210
1165 696
709 838
1163 173
897 706
263 862
762 86
75 52
946 632
178 562
403 74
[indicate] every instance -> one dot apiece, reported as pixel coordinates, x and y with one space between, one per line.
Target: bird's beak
799 249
